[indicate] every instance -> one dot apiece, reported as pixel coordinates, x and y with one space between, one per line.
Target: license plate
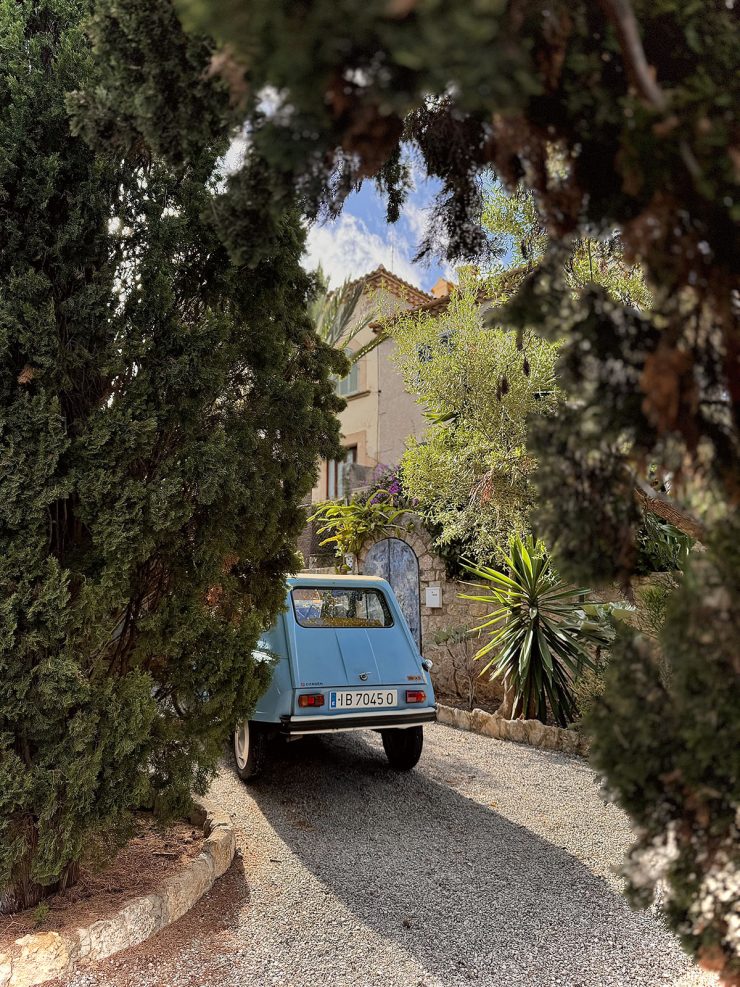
368 699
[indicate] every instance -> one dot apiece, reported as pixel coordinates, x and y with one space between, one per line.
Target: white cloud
232 161
346 248
417 218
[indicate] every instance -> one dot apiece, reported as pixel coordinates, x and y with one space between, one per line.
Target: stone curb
530 732
51 954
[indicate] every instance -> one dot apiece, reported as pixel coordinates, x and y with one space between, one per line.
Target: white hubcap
241 744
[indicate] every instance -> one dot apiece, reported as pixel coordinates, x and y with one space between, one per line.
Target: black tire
403 747
250 748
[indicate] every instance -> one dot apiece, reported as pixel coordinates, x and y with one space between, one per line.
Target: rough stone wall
450 683
315 555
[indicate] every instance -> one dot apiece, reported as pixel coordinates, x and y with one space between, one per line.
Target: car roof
333 579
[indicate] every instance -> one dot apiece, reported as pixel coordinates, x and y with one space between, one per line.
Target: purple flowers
387 487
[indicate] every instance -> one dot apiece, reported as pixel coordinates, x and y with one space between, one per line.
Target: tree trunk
506 709
668 510
23 891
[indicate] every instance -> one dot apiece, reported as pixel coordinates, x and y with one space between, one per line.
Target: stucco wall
399 416
379 381
448 674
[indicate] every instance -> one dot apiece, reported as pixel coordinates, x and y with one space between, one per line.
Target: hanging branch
622 17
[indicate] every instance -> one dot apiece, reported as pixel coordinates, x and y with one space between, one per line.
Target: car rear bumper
295 726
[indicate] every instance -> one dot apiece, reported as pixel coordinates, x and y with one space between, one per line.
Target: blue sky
359 240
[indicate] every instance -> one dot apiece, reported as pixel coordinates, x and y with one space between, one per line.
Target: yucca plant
539 632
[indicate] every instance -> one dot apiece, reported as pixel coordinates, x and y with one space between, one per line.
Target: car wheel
403 747
249 750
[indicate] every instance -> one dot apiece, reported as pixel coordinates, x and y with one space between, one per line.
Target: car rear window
331 606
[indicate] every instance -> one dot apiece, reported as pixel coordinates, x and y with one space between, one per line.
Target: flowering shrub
386 488
388 485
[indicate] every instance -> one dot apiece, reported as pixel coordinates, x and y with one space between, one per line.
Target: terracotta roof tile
405 290
434 306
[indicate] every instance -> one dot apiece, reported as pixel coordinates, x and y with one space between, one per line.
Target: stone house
380 414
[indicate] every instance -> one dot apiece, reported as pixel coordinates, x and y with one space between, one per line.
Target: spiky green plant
539 632
339 318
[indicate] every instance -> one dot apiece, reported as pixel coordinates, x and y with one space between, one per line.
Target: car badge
363 676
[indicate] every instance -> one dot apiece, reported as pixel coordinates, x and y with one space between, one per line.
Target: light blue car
345 660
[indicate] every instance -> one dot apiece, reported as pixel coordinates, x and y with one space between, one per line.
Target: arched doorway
396 561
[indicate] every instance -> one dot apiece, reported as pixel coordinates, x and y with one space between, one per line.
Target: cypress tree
162 406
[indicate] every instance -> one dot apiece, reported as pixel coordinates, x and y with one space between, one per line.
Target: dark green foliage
617 114
150 52
584 451
161 412
451 552
586 500
589 686
671 752
539 633
661 546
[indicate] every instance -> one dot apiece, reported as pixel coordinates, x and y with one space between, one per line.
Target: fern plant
539 630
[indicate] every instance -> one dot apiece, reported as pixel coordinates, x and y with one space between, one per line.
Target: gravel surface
491 864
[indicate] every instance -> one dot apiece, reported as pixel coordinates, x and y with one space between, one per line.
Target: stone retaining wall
45 955
530 732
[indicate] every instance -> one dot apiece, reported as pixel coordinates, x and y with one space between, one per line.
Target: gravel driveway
491 864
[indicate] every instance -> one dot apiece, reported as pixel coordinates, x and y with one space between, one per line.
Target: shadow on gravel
473 896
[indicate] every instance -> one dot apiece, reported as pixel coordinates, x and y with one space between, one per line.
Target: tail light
415 696
311 699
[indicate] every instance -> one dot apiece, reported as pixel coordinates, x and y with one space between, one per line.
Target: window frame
343 385
334 473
